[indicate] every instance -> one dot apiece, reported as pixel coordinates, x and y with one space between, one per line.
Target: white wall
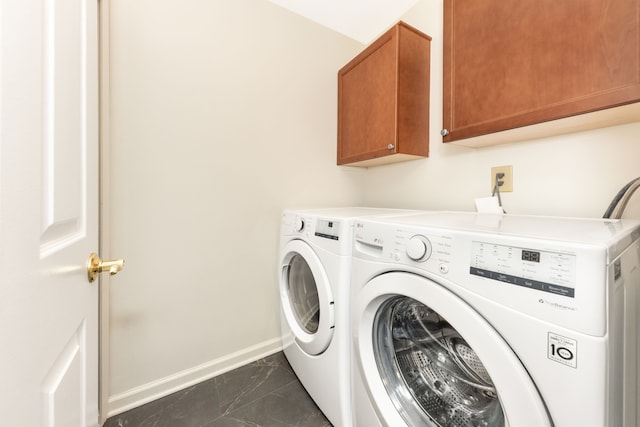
571 175
223 113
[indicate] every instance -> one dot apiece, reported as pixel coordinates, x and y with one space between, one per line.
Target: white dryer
463 319
314 266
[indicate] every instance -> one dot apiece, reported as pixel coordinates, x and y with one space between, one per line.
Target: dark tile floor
265 393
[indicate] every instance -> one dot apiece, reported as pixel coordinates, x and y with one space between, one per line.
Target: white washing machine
463 319
315 265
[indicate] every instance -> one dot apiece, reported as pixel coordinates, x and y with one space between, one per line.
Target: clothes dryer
314 267
462 319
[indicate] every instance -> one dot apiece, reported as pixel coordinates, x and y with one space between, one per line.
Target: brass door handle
96 266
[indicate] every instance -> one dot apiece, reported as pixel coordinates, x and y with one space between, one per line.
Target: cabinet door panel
514 63
383 100
368 113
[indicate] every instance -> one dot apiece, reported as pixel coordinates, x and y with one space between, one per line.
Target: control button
396 256
418 248
299 225
444 268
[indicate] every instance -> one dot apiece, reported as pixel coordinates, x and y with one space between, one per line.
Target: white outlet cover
361 20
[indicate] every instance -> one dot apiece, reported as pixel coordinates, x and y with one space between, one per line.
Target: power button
444 268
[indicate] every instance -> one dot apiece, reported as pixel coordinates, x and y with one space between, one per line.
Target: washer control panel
328 233
434 250
552 272
430 251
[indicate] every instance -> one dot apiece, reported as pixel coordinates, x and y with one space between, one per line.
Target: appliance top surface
578 230
352 212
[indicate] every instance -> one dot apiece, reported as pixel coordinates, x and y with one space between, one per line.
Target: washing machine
314 266
463 319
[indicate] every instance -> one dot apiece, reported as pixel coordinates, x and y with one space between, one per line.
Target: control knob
299 224
418 248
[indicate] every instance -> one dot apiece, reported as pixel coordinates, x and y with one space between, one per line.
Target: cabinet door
514 63
367 103
383 100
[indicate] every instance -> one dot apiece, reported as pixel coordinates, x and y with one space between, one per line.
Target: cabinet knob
444 132
390 147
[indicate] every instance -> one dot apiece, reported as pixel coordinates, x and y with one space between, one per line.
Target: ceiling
361 20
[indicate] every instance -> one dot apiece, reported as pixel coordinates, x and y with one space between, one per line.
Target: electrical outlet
507 179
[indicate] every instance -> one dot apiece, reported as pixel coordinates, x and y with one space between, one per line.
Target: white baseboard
165 386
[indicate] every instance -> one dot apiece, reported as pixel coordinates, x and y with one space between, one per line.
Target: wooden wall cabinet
509 64
383 100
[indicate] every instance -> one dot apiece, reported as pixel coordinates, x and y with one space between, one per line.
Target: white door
48 212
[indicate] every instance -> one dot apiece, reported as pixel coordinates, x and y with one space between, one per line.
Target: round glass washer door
306 297
448 384
429 359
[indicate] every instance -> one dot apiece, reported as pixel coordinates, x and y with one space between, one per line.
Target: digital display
328 229
532 256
